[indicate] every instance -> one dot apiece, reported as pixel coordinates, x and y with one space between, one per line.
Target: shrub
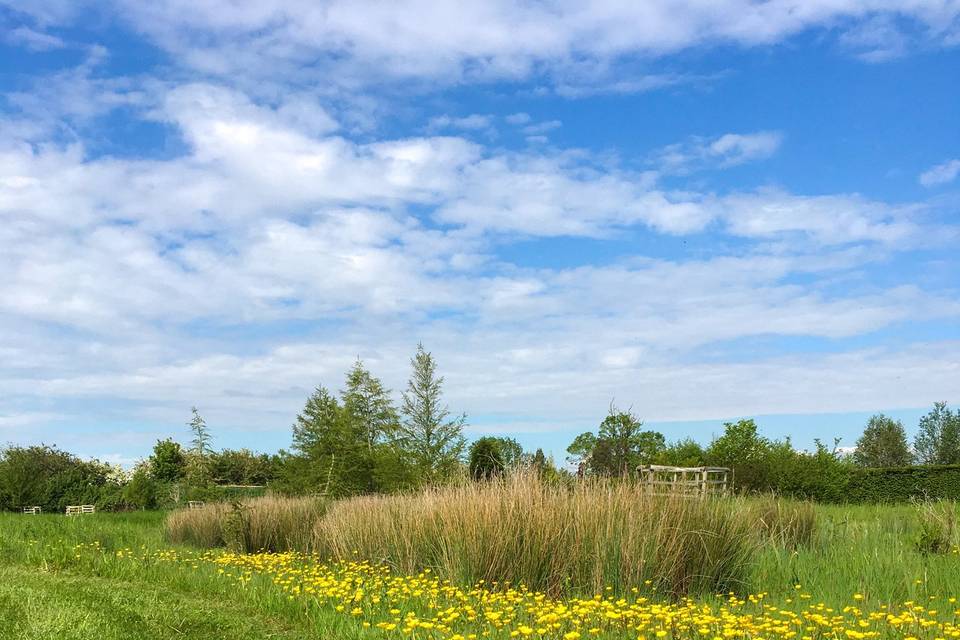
938 526
141 491
486 461
52 479
785 523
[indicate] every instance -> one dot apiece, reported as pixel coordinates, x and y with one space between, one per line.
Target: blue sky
704 211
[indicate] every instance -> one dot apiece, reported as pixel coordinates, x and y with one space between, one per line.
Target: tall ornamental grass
570 539
576 539
270 523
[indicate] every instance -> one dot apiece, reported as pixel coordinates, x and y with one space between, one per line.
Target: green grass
866 549
49 589
41 605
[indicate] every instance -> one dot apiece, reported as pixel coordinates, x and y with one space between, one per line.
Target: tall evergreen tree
369 404
318 419
938 439
199 460
539 462
430 437
201 434
883 444
331 449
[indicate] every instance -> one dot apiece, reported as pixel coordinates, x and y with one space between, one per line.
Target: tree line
350 442
358 441
622 444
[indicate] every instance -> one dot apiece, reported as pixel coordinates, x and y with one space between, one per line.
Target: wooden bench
195 504
32 511
80 509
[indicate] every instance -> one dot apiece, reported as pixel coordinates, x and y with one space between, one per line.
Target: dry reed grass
570 539
270 523
576 539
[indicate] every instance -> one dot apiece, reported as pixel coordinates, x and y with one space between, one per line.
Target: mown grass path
41 605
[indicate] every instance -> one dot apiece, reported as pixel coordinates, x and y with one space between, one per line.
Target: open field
115 576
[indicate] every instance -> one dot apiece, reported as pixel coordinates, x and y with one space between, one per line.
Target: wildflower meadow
735 567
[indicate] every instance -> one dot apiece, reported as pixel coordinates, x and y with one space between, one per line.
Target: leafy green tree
47 477
629 445
743 449
432 439
318 419
938 439
822 474
486 458
650 446
141 491
512 452
243 467
581 450
620 446
883 444
682 453
167 463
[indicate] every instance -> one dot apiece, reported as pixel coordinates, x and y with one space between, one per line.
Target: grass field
115 576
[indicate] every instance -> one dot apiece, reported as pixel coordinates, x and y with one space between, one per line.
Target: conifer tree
369 404
431 438
199 467
332 458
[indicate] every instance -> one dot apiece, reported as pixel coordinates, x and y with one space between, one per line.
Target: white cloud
33 39
353 43
609 79
738 148
540 128
832 219
943 173
164 282
727 150
247 161
475 121
26 419
877 39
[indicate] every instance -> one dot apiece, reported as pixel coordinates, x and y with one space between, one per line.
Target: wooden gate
690 481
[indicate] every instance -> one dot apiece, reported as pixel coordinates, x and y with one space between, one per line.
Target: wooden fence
80 509
32 511
691 481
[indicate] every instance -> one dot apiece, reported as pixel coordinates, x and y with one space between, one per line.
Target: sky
700 211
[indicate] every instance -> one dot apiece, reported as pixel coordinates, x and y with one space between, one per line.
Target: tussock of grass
785 523
269 523
558 539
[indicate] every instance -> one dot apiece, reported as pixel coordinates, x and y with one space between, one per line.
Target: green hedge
902 484
822 477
